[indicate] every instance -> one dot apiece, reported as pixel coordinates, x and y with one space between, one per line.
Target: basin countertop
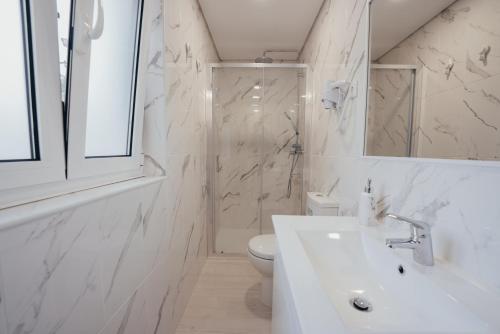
315 307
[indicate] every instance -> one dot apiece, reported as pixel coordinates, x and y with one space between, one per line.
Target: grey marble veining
126 263
257 113
458 63
389 112
460 201
52 278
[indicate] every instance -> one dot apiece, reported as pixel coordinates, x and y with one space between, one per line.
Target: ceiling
394 20
244 29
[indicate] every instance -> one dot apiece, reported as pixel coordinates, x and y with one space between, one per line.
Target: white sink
348 261
351 265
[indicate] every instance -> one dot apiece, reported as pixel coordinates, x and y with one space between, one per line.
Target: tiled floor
226 301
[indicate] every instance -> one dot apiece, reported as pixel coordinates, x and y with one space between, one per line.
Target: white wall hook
95 32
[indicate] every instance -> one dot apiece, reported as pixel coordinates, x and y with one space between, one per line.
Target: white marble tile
255 128
457 57
389 112
105 266
3 320
460 201
154 110
466 125
154 224
130 318
51 279
159 298
177 239
122 258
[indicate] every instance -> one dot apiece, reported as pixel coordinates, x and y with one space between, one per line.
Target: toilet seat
263 246
261 251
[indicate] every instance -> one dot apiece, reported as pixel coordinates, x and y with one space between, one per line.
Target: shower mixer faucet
296 149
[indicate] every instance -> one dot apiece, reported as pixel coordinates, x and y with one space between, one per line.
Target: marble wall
77 270
458 58
283 117
123 258
256 114
459 199
389 111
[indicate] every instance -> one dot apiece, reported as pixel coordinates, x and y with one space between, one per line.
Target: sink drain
361 304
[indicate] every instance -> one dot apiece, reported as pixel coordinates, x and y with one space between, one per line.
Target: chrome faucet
420 240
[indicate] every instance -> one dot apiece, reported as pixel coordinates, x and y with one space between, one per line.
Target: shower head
281 54
264 60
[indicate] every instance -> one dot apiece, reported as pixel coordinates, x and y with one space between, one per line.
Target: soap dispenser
366 205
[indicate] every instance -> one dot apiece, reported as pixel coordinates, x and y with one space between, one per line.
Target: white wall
460 200
123 258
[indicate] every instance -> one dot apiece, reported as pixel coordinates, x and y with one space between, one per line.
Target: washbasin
375 291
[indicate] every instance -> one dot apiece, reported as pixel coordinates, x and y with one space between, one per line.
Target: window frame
57 171
110 167
42 71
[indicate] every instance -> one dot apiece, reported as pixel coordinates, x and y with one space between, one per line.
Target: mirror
434 83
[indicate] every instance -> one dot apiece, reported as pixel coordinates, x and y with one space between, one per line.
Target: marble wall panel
186 50
283 126
390 108
130 317
457 56
238 135
51 280
459 199
71 271
257 113
125 261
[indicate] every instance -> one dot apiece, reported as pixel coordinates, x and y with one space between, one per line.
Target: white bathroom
249 166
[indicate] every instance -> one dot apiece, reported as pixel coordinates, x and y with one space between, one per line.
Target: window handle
95 32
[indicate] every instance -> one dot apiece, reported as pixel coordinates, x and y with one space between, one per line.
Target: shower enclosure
391 110
255 150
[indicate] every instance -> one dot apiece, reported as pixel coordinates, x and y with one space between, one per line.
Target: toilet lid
263 246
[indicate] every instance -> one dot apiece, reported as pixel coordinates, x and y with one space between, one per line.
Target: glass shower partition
391 110
257 125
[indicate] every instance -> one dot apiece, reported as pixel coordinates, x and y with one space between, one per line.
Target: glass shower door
258 120
283 128
237 125
391 111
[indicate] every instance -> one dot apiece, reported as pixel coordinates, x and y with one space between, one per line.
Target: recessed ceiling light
255 97
256 87
256 110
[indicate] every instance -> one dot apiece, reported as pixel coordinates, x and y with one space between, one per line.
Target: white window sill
20 214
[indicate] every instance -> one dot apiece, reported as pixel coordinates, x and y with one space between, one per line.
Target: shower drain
361 304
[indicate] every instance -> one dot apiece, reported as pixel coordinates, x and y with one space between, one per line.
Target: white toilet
261 248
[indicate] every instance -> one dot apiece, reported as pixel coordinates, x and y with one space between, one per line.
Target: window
17 134
71 95
31 132
111 88
63 29
105 100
